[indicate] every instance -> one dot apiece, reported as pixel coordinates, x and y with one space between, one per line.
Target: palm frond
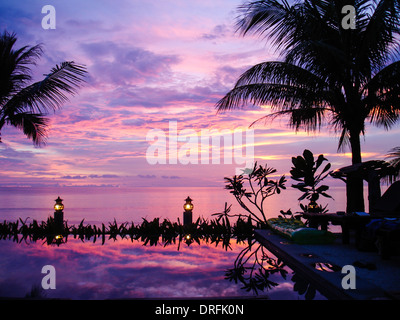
382 98
377 40
34 126
278 72
394 156
15 65
290 89
275 20
309 119
25 105
50 93
279 95
344 139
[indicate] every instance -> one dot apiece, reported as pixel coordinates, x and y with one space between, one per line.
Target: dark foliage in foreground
154 232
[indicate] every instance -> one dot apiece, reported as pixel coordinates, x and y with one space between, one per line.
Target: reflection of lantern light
188 206
58 239
188 239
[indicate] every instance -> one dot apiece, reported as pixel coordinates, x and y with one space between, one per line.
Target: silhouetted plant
289 215
302 286
253 187
218 231
242 229
304 171
253 267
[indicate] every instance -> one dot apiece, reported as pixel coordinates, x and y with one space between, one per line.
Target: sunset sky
151 63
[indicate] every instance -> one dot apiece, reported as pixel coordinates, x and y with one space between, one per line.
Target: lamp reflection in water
188 239
58 239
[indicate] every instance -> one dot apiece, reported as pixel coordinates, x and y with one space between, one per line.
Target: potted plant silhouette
304 171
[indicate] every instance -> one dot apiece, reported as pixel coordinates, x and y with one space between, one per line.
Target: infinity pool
124 269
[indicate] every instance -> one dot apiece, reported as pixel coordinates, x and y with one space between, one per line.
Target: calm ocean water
102 204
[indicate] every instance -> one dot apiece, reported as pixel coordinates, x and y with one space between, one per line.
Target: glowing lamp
187 214
313 207
188 206
59 215
59 205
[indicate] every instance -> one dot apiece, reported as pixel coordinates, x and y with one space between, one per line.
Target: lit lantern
187 214
313 207
59 215
59 205
188 206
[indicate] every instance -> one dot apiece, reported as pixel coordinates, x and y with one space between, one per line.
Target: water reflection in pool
126 269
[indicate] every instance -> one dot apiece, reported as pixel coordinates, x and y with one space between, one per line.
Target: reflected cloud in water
121 269
124 270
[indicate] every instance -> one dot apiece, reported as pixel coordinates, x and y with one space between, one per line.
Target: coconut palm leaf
394 155
32 125
377 39
383 98
14 65
305 97
25 105
50 93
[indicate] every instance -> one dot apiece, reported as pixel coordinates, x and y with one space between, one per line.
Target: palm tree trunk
355 185
355 147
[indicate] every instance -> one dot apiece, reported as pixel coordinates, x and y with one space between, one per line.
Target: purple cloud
219 31
126 64
146 176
